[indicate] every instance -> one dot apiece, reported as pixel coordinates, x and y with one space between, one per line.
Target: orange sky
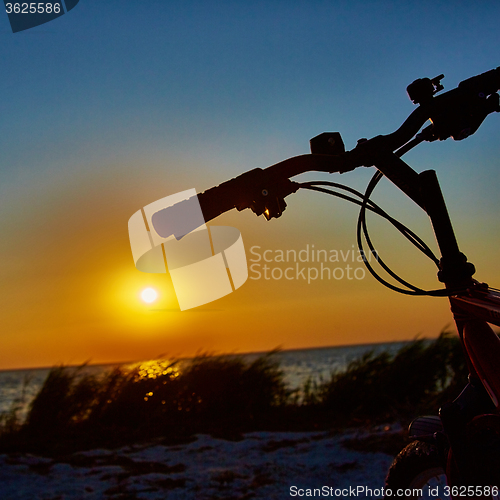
108 109
71 291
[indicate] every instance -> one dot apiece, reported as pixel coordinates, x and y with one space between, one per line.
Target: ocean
19 387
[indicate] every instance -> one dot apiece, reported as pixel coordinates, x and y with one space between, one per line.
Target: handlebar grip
486 83
258 189
235 193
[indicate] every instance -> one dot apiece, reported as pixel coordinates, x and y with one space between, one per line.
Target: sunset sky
120 103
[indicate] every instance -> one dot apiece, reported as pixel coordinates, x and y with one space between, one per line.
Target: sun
149 295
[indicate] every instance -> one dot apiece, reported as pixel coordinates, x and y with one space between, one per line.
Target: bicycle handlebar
457 113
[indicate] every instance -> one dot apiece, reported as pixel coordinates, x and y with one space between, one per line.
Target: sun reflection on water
158 368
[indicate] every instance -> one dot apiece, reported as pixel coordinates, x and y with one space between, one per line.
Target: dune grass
225 396
419 378
216 394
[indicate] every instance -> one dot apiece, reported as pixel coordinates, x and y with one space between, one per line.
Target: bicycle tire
415 470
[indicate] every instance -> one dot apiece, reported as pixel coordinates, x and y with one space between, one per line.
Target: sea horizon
210 353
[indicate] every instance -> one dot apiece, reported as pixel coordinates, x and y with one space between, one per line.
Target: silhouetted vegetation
225 396
418 379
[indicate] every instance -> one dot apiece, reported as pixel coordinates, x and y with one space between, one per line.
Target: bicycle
460 448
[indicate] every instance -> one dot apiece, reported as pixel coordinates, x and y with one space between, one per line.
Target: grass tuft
417 379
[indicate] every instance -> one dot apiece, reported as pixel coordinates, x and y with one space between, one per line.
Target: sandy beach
262 465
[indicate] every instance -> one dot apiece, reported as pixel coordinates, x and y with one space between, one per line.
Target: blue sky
117 104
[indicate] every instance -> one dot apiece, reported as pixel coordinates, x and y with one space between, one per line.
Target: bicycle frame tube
481 343
480 303
476 305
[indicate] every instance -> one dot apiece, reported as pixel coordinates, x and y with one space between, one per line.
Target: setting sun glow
131 126
149 295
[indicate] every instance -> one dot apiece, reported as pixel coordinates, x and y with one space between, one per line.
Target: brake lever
457 113
267 195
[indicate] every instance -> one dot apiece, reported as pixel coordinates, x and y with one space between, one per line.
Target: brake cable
366 203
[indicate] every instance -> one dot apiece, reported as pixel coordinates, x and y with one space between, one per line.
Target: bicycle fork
471 422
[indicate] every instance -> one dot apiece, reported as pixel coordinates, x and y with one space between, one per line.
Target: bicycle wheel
417 472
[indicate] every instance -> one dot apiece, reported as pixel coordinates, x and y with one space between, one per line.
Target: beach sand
261 465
